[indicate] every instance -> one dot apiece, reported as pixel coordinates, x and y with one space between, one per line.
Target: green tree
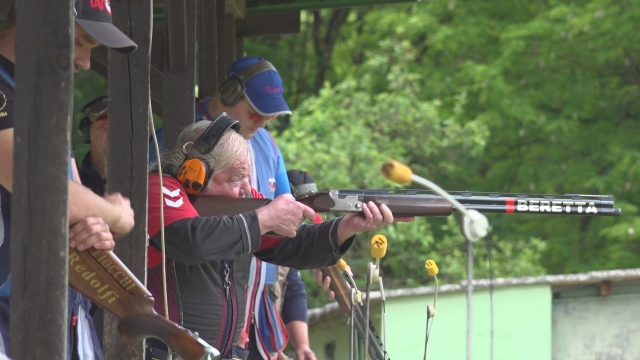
511 96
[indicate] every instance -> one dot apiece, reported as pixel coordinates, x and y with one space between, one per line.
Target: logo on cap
101 5
270 89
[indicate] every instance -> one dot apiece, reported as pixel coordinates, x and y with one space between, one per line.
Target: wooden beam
157 48
269 24
236 7
175 17
40 223
208 77
239 48
156 70
220 41
229 40
129 113
179 87
100 61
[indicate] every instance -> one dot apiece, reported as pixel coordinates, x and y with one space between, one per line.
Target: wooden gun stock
343 297
339 288
103 278
226 206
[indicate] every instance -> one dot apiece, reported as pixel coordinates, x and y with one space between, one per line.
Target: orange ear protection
194 173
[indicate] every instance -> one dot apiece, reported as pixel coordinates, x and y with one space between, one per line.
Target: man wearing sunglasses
93 127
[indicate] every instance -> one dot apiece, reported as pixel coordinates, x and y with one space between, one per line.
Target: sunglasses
254 111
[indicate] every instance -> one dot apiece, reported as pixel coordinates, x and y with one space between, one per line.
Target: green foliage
516 96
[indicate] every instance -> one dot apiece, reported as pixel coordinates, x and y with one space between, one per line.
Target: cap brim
108 35
269 106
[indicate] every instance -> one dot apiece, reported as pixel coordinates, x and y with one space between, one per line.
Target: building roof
560 281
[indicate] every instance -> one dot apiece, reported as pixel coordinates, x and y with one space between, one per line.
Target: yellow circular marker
342 265
397 172
431 267
378 246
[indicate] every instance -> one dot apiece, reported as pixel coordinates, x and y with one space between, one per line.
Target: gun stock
103 278
339 288
343 296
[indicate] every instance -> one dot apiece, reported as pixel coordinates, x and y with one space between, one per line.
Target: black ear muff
85 130
232 89
193 175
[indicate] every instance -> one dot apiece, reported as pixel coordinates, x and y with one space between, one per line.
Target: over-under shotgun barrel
410 202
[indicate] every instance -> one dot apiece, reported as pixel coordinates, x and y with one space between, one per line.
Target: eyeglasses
254 111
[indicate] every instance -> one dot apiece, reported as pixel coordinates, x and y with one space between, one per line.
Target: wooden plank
229 40
239 48
176 31
236 7
156 71
129 113
220 41
208 78
157 47
179 87
269 24
156 91
100 62
40 223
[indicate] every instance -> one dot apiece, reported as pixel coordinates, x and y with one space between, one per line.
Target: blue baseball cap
264 90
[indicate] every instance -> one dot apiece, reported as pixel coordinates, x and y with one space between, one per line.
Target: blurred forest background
501 96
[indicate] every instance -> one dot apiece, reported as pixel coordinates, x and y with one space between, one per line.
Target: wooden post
175 19
221 47
179 87
229 40
129 112
208 81
239 47
40 223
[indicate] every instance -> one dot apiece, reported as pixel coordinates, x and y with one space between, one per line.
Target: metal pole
469 295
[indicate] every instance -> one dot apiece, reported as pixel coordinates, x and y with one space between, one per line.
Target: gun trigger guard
349 203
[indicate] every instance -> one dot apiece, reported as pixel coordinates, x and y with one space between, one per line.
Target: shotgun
103 278
411 202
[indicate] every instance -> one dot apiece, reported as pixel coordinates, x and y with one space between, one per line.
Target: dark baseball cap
94 16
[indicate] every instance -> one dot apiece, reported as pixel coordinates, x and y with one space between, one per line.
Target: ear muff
85 130
193 175
232 89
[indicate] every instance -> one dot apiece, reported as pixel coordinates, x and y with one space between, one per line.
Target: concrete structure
579 316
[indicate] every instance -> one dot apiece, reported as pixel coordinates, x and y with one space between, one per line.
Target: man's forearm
85 203
298 334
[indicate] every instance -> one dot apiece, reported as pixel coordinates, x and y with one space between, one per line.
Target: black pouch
238 353
157 350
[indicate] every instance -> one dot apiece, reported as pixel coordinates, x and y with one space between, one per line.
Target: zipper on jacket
229 326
